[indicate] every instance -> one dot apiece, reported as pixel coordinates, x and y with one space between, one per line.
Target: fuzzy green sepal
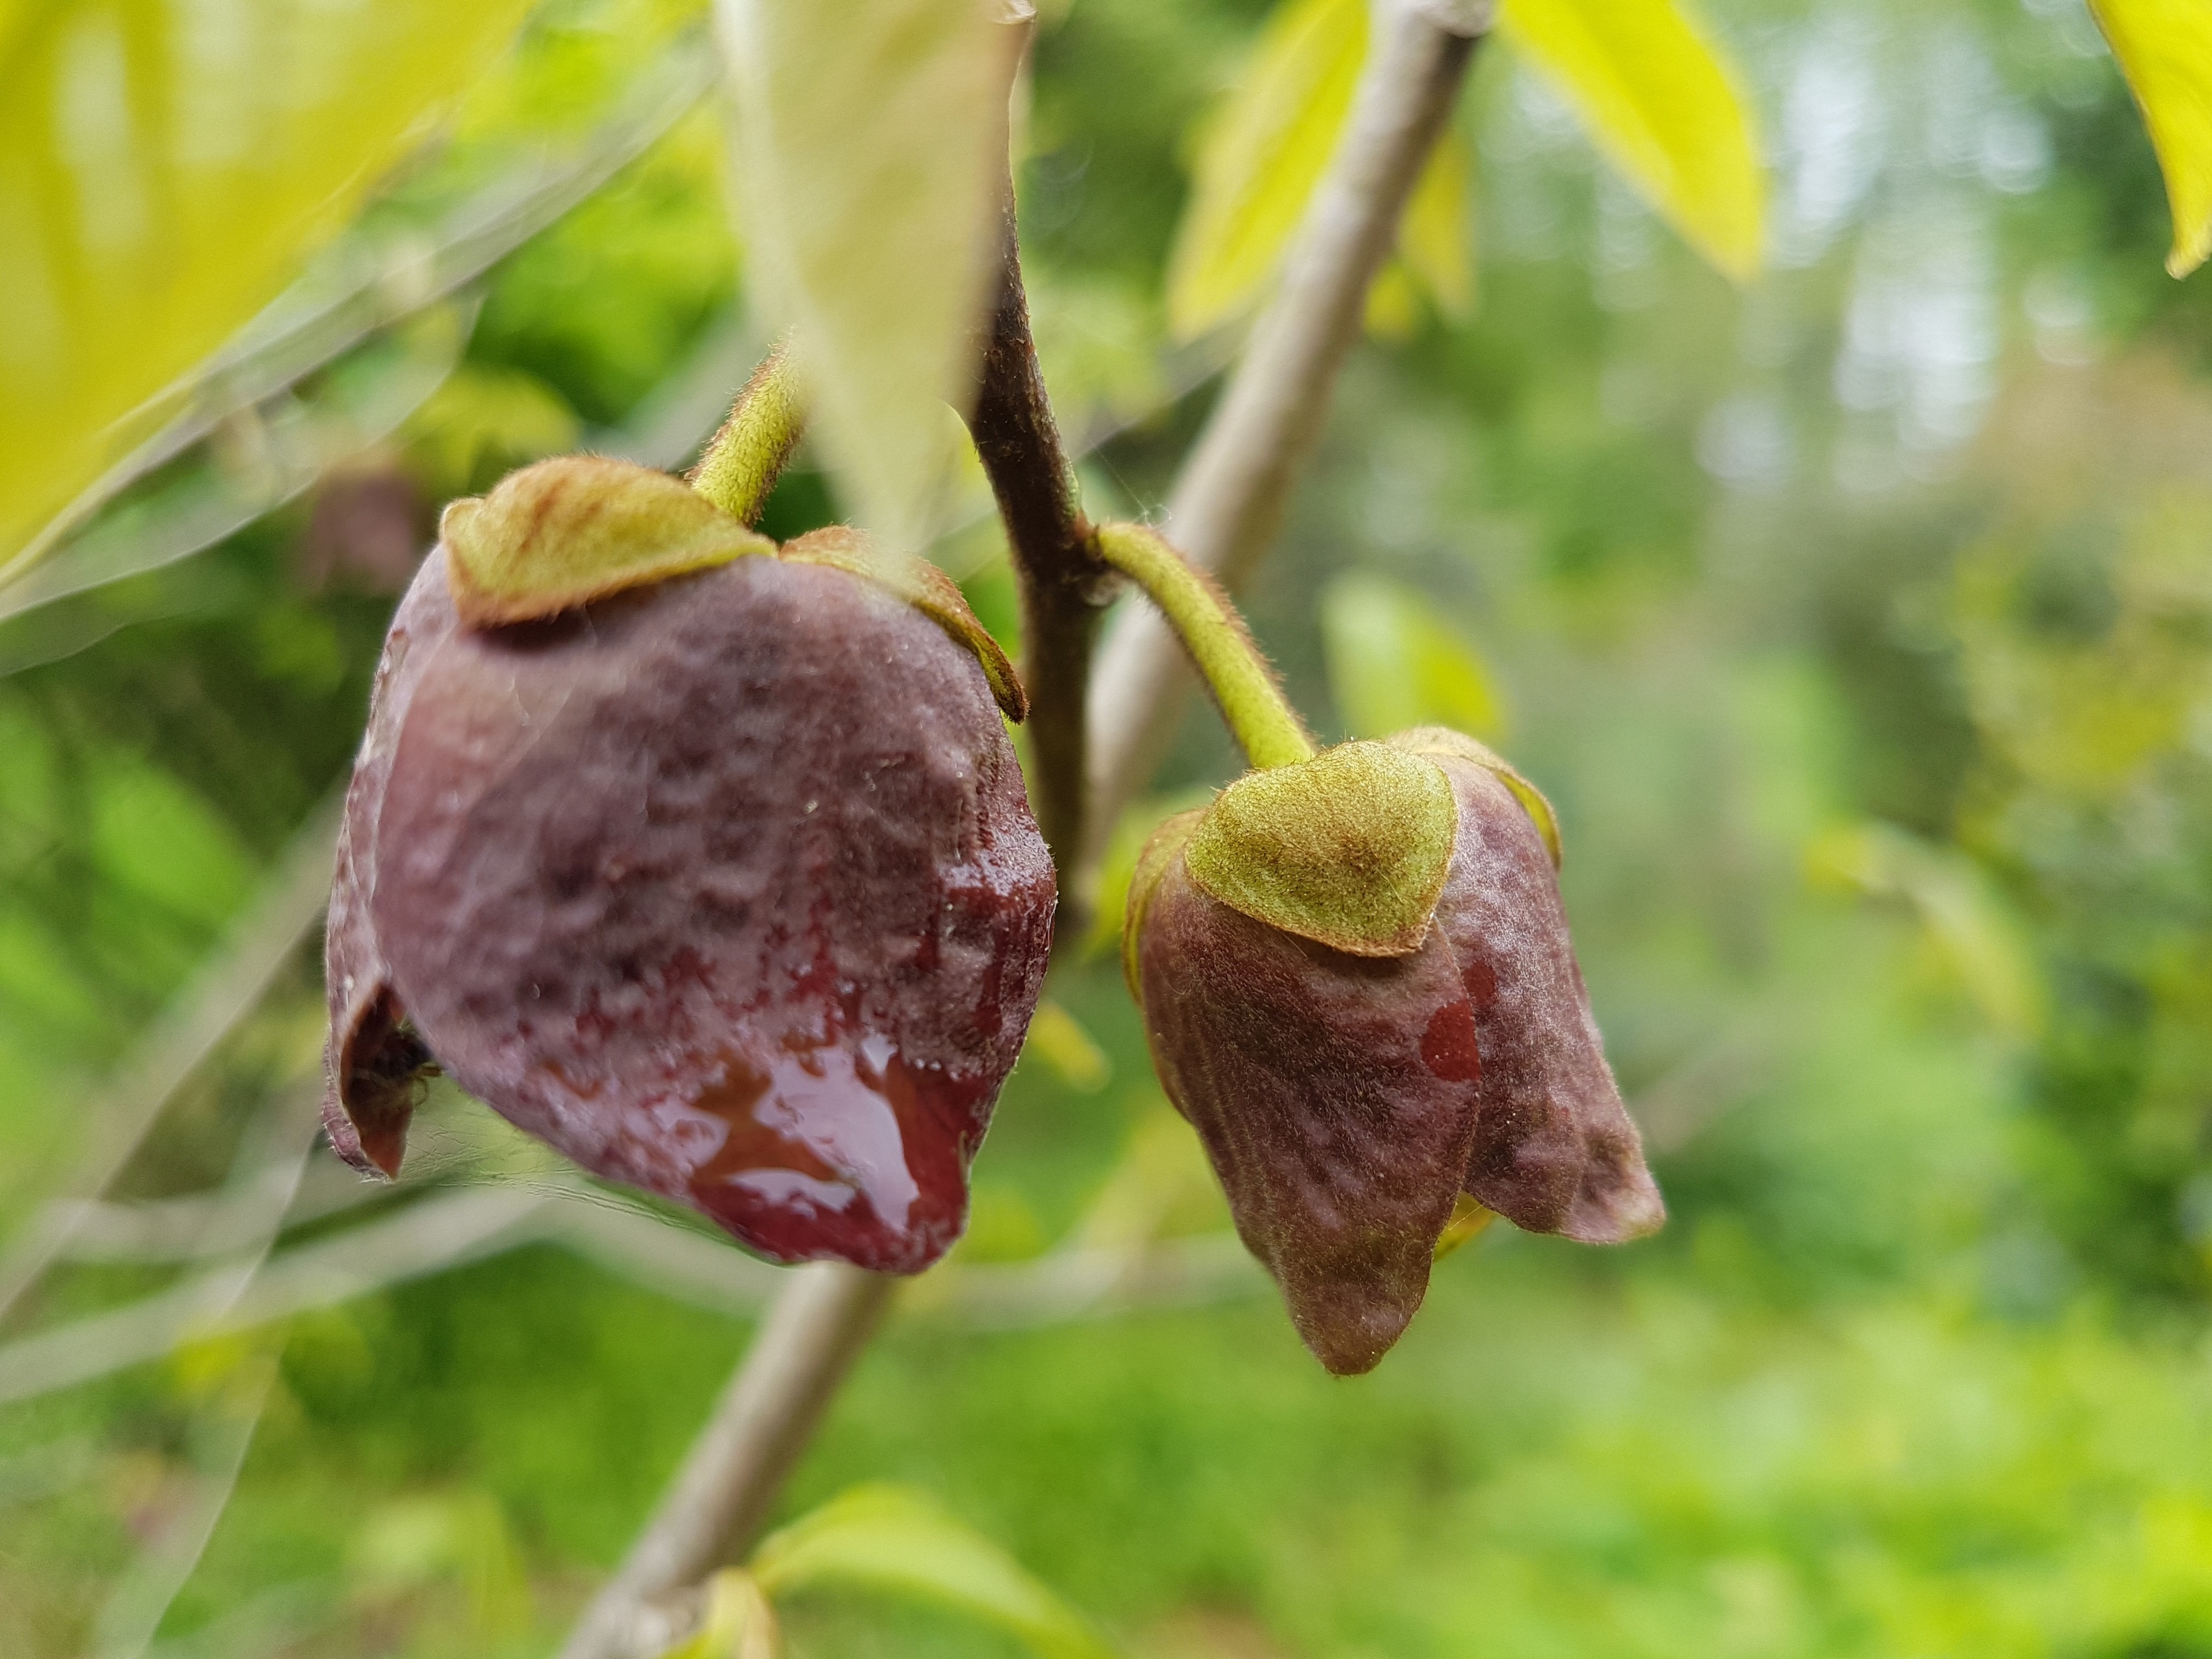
1442 740
1349 849
922 585
577 528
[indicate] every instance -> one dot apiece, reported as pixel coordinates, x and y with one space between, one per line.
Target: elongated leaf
163 168
1392 665
1059 1039
2164 49
368 280
1969 927
1436 240
871 162
1259 155
739 1623
291 443
1659 100
889 1538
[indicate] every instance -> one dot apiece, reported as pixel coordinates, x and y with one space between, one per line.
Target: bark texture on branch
1228 502
1064 583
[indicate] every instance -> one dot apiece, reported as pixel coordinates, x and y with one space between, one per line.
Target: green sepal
1349 849
1442 740
577 528
1159 856
922 585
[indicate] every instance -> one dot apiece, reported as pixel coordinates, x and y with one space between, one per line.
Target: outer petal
1554 1149
728 888
1334 1094
372 1062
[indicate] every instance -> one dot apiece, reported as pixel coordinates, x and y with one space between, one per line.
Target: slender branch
188 1030
136 1607
813 1333
1220 646
1226 507
1063 584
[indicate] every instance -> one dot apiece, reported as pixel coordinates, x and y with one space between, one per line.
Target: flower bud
724 882
1351 1074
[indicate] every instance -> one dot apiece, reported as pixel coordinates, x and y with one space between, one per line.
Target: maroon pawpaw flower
725 884
1365 1018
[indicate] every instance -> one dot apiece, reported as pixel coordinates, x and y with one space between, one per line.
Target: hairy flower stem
1220 646
1064 583
738 471
1224 509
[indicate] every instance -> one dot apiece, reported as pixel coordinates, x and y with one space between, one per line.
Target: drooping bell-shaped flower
1358 987
709 863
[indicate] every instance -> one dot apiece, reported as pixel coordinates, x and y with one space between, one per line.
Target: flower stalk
744 457
1219 645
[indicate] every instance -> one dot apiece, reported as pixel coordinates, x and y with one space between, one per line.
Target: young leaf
891 1539
872 139
1259 157
1659 99
1058 1038
739 1623
1969 927
2164 49
1392 665
1119 867
162 171
1261 154
1435 238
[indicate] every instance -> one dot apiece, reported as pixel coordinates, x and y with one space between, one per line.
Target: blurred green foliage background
1858 621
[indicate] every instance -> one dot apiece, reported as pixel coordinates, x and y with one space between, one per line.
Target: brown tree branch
1064 583
1229 501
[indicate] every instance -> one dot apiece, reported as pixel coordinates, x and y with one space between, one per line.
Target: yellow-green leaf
1059 1039
2164 49
293 444
1119 867
740 1624
1435 238
1661 103
1392 665
1259 156
163 168
888 1538
1968 926
871 140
